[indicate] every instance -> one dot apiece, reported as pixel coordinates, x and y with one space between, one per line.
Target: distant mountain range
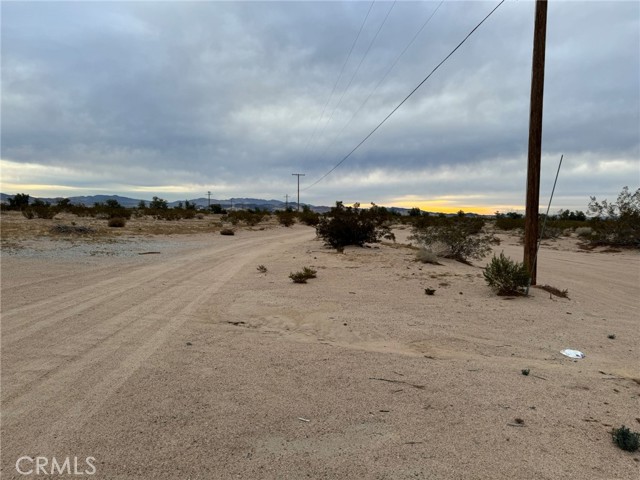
242 203
239 203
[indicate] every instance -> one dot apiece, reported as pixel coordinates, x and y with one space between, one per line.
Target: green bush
309 272
40 211
286 218
344 226
626 439
28 213
308 217
217 208
505 276
617 223
19 201
459 238
249 217
298 277
508 223
302 276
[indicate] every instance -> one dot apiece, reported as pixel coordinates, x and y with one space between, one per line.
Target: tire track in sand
61 404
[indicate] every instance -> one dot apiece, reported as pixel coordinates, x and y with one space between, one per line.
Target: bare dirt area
190 363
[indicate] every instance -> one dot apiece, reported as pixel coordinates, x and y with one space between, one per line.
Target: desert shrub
309 272
286 218
28 213
170 214
227 231
459 238
19 201
506 276
309 217
617 223
77 229
45 211
117 222
303 275
626 439
344 226
584 232
426 256
298 277
508 223
158 204
38 209
249 217
81 211
217 208
262 269
568 215
550 232
63 204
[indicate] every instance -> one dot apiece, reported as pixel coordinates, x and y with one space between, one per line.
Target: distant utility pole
286 198
209 202
535 140
298 175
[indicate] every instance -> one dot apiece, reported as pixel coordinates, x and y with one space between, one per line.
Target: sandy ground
190 364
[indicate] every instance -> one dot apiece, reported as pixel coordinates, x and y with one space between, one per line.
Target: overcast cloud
175 99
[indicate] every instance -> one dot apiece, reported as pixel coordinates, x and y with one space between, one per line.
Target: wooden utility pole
535 140
209 202
298 175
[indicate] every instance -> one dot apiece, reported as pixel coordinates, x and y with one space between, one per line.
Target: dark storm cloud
230 94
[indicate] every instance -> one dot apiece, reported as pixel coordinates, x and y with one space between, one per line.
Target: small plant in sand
626 439
298 277
262 269
117 222
425 255
505 276
525 372
227 231
309 272
302 276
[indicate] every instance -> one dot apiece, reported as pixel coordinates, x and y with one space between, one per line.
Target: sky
175 99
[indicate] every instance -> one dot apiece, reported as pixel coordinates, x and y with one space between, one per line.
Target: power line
406 98
329 145
358 67
338 79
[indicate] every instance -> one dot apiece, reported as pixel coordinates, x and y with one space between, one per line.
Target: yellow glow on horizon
39 188
447 206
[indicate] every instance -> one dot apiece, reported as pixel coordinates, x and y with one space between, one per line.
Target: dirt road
71 340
